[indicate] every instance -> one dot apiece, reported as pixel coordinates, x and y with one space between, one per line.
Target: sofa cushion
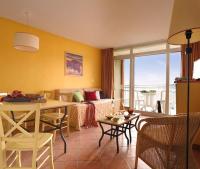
90 95
78 97
102 95
98 95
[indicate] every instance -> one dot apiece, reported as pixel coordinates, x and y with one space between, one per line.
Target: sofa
77 111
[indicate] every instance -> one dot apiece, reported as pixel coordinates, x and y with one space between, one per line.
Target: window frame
132 57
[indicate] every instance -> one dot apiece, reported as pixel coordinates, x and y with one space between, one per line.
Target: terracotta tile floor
83 152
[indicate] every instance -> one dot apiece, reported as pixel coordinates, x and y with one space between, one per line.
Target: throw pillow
102 95
90 95
98 95
78 97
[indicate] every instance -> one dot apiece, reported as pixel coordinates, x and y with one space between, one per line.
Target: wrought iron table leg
136 127
117 135
129 128
124 130
102 134
61 133
111 132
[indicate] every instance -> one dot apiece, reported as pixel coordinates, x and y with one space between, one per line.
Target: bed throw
90 120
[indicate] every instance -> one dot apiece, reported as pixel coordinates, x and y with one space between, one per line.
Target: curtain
195 55
122 79
107 77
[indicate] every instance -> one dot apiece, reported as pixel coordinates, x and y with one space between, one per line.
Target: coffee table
118 128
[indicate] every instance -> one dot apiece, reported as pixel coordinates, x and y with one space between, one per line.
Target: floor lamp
185 29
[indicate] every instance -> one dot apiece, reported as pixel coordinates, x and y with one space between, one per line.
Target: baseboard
196 147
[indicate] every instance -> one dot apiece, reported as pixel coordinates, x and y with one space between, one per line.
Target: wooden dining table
49 104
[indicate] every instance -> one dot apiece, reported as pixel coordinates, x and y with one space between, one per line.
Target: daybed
77 112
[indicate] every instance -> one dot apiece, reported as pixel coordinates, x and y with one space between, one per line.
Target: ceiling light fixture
25 41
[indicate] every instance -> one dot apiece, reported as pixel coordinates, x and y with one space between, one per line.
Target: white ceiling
100 23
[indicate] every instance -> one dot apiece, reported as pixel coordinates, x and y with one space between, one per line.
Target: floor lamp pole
188 35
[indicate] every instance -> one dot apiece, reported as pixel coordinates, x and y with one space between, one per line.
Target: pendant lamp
26 42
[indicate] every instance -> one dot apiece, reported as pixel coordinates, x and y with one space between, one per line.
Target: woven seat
161 142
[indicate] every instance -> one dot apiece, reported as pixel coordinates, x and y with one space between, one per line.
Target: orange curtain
195 55
107 77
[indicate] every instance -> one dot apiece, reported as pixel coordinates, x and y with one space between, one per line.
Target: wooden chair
161 142
16 139
139 101
54 116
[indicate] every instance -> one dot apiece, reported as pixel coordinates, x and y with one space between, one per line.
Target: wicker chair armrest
149 123
141 122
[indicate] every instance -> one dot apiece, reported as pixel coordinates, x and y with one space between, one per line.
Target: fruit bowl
115 119
130 111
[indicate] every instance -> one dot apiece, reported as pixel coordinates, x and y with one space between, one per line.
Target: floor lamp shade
26 42
185 16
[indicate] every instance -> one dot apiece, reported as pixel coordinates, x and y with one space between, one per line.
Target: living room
97 68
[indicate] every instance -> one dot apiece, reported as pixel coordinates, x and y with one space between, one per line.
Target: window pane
175 71
126 82
117 79
122 80
150 82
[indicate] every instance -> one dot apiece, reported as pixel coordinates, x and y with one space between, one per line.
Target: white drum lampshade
185 16
26 42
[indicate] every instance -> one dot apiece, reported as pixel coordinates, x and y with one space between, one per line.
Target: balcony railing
146 97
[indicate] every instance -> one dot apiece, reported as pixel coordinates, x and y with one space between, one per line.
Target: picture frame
73 64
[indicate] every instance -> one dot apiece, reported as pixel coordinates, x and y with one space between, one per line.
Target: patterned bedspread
77 112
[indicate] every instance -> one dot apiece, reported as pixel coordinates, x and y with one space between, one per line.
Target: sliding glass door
122 80
150 83
144 77
175 71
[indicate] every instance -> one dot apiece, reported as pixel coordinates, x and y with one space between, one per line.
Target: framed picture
73 64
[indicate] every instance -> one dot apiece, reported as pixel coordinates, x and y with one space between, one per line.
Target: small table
118 128
149 99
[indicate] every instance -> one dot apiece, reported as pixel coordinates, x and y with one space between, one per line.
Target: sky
151 70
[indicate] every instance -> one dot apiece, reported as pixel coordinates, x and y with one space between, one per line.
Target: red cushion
90 95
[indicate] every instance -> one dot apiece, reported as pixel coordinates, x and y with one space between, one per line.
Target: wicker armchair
161 142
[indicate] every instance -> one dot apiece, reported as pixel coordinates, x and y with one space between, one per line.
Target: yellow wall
43 70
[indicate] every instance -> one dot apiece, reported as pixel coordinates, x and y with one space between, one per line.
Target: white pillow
98 95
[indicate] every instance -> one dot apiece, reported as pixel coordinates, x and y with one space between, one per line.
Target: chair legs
19 163
34 160
54 132
51 164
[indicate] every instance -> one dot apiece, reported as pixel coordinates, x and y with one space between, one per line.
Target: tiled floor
83 152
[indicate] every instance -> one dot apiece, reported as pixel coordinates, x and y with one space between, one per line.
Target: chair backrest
173 128
49 94
180 127
31 109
